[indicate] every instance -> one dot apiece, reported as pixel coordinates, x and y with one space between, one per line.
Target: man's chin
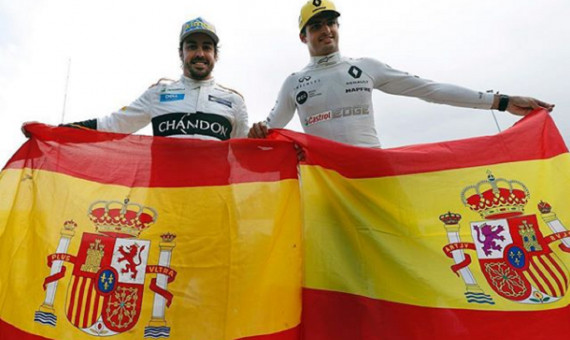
200 75
326 50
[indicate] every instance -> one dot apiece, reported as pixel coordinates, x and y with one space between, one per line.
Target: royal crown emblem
492 200
514 255
118 219
106 289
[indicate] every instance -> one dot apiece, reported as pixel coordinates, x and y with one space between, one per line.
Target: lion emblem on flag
490 237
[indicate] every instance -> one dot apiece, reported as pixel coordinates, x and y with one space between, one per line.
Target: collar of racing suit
193 83
327 60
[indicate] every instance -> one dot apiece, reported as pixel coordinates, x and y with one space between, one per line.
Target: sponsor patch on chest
198 123
220 100
171 97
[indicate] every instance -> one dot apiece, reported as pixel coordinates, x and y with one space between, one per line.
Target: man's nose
199 52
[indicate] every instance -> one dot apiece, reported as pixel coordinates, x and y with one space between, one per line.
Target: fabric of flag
132 237
463 239
129 237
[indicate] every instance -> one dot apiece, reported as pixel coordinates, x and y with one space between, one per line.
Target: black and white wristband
503 102
86 124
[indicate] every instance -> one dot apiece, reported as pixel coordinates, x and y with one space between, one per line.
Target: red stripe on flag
146 161
534 279
91 289
331 315
7 331
551 291
561 271
80 310
534 137
96 313
72 295
554 277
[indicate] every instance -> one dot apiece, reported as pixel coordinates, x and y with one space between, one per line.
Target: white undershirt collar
193 83
322 61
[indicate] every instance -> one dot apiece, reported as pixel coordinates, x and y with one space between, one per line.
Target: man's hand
258 130
24 131
521 106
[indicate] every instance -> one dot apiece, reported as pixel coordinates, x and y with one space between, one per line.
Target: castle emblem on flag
106 289
513 253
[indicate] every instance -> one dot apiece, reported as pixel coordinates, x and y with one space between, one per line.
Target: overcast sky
118 48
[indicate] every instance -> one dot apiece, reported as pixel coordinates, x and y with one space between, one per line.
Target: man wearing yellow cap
333 94
195 106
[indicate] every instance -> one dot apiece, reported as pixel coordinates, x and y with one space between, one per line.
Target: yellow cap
314 7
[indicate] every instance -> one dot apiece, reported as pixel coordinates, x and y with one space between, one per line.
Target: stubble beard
321 49
198 74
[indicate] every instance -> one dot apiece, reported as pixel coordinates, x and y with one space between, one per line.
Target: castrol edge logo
319 117
337 113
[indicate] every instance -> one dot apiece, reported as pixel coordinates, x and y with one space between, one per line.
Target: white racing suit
186 108
333 97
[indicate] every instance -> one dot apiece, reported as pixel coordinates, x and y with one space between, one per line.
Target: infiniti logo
305 78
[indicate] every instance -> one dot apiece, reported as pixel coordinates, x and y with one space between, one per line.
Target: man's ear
303 37
180 54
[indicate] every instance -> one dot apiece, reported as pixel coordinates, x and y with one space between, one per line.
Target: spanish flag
129 237
466 239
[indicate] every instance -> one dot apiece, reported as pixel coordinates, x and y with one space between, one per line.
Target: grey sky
119 48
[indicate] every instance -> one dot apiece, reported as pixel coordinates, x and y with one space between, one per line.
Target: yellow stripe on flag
237 253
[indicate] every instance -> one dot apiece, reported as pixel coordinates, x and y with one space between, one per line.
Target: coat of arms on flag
106 289
514 255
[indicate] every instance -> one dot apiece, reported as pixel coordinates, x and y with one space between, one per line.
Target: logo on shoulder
355 72
307 82
171 97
